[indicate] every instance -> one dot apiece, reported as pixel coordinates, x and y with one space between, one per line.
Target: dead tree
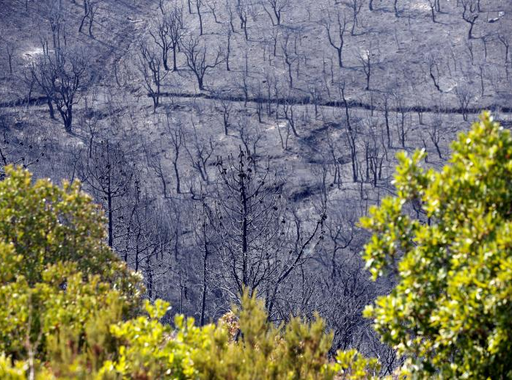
386 119
434 72
244 82
242 8
198 60
137 234
260 244
432 4
340 227
335 34
334 157
162 38
435 134
365 57
276 9
204 241
481 75
228 47
150 66
469 44
61 75
289 115
470 15
351 134
245 250
200 153
226 107
300 240
154 162
284 135
212 5
177 140
90 7
10 49
250 136
274 36
355 6
464 96
57 24
43 76
144 236
199 6
289 57
374 158
345 290
107 172
231 15
504 39
403 128
176 32
168 33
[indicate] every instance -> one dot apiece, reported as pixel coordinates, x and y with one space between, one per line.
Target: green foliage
59 282
352 365
262 351
8 371
297 350
47 224
150 349
450 313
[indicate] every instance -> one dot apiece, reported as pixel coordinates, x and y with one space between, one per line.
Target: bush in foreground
450 313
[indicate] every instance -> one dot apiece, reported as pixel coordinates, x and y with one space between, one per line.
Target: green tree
46 224
58 278
297 350
450 313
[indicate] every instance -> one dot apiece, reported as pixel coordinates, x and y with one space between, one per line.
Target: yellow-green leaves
450 311
46 224
393 233
261 351
352 366
158 309
410 177
8 371
60 285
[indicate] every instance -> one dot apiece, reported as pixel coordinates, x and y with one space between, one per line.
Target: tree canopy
57 275
446 236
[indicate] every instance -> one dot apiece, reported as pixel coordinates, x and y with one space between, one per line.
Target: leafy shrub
298 350
58 279
47 224
450 313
